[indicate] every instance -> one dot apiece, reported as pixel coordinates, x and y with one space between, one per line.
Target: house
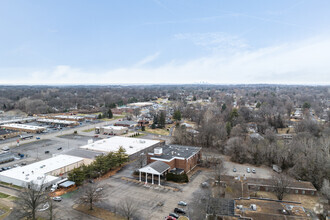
129 124
179 158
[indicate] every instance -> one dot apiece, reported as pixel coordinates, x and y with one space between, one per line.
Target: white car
248 170
182 203
57 198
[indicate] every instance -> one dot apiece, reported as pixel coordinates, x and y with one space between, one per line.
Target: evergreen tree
177 115
109 114
162 120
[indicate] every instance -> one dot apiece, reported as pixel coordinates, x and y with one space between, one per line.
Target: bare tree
141 159
128 208
217 170
92 193
51 209
280 184
326 189
30 199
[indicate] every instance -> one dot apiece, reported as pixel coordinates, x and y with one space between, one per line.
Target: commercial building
18 120
68 117
179 158
111 130
6 133
24 128
44 172
129 124
295 187
132 145
140 104
57 122
88 155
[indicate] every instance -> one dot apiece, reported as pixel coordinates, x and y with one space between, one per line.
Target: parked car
60 148
234 170
99 189
38 138
248 170
180 211
23 163
174 215
253 170
57 198
47 152
182 203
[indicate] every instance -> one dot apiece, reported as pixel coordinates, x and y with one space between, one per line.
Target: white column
140 176
159 179
146 177
152 178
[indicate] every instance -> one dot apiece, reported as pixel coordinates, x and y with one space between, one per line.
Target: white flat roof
115 127
24 126
69 116
56 121
131 145
17 120
36 171
140 104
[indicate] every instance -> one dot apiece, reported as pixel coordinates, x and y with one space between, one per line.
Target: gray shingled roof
159 166
170 151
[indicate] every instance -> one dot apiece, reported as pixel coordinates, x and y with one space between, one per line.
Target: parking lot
263 172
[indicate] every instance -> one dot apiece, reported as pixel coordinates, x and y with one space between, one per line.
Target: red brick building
179 158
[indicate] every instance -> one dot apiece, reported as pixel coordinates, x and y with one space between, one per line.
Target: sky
47 42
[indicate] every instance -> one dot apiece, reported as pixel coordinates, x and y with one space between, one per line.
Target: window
303 192
312 192
296 191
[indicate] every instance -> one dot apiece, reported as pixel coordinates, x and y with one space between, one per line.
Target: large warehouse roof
23 126
56 121
131 145
35 172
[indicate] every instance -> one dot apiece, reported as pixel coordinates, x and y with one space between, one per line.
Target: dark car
180 211
60 148
47 152
174 215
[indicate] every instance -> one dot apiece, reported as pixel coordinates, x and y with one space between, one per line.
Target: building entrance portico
155 169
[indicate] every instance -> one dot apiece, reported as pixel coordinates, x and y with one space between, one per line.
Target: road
12 144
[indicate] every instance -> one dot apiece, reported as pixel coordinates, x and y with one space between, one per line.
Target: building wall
9 135
290 191
186 164
66 169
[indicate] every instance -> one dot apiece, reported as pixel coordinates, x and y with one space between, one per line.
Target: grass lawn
12 198
88 130
3 195
10 185
6 211
98 212
158 131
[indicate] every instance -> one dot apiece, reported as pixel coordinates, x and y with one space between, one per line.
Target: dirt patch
306 201
98 212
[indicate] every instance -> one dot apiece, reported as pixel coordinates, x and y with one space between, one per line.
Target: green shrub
178 178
